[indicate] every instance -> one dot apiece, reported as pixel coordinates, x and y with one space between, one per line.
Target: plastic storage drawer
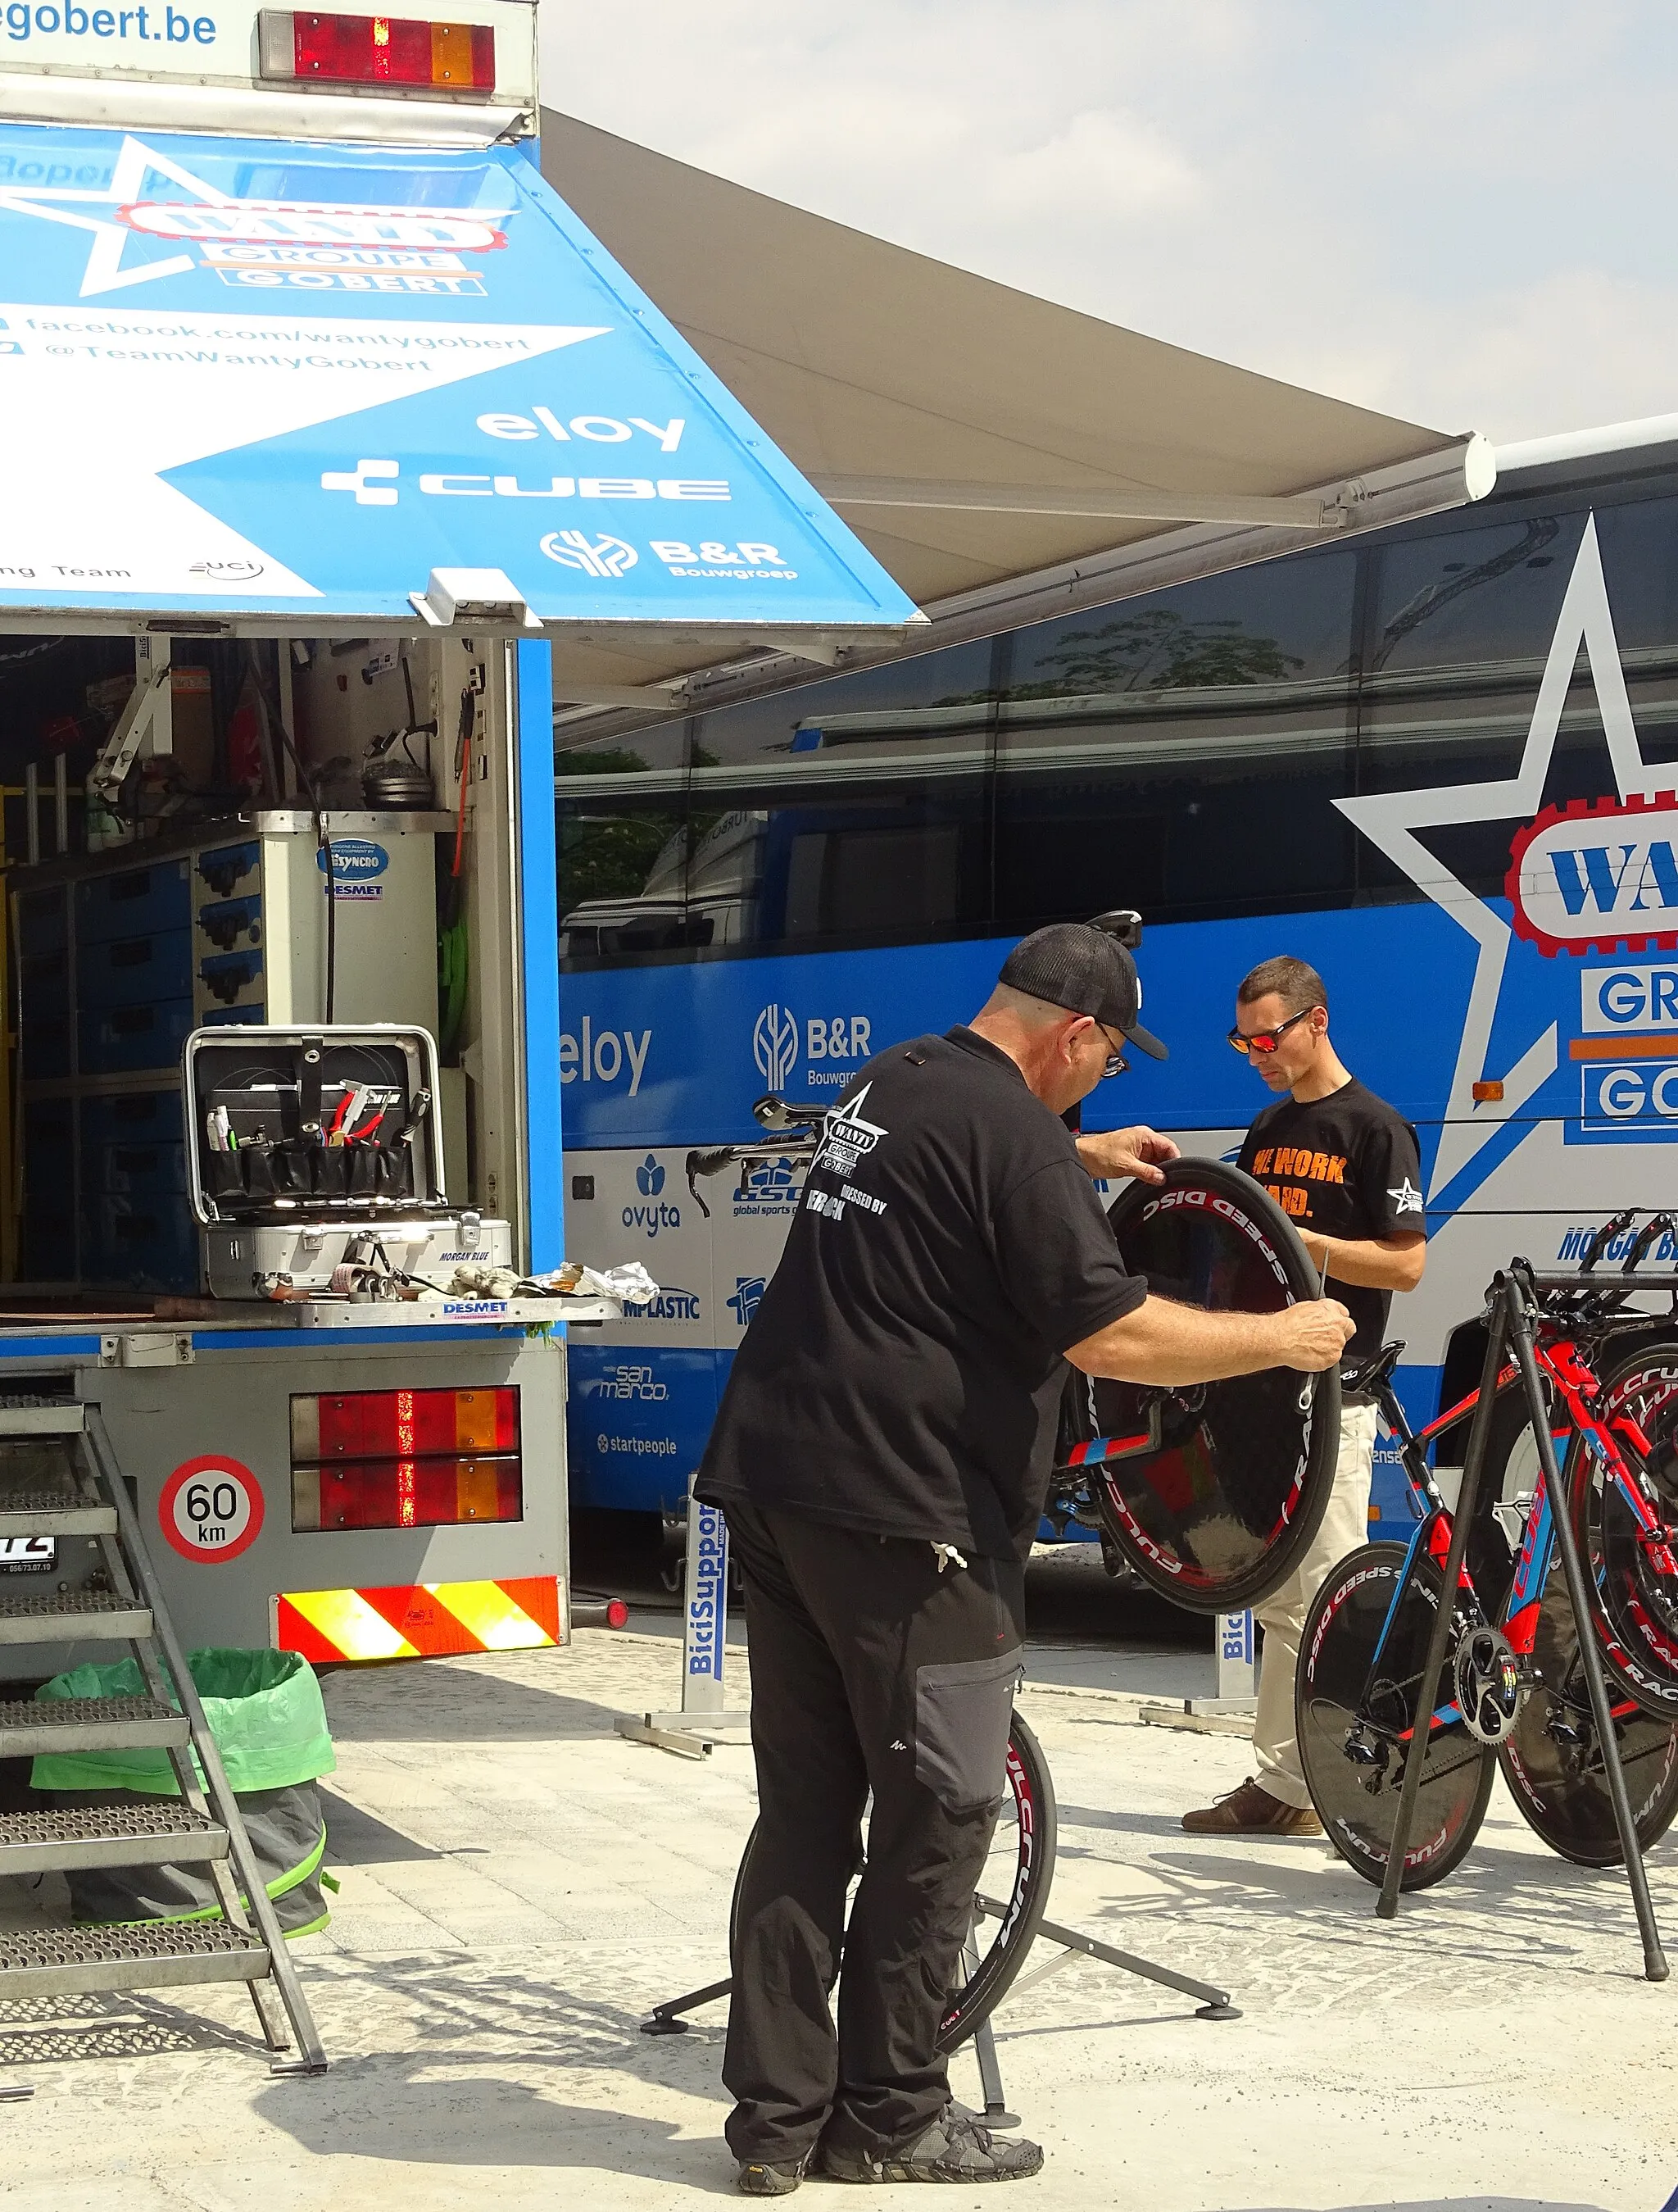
138 900
133 971
229 868
133 1117
118 1038
144 1243
135 1171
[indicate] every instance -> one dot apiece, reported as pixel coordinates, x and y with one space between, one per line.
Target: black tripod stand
1513 1309
667 2019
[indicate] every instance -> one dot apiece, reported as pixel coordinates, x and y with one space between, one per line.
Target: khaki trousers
1282 1616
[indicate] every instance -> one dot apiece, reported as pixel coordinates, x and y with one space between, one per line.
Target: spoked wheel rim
1631 1583
1017 1875
1223 1486
1553 1762
1341 1634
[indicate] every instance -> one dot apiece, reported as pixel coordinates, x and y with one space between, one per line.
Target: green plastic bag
264 1711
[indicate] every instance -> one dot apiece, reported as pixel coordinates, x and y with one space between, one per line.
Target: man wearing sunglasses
1344 1166
883 1452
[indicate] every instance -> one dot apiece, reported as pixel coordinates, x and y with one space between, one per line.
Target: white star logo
1407 1198
1390 819
60 203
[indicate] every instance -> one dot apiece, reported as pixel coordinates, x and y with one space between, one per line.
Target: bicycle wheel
1228 1481
1552 1760
1015 1878
1630 1576
1354 1768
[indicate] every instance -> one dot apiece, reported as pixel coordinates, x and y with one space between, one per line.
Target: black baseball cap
1077 966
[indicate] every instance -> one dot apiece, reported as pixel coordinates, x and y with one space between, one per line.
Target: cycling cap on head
1073 965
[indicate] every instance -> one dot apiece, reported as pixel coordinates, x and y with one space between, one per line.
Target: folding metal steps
202 1825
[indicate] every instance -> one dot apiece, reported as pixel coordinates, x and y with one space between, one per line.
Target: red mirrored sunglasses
1265 1042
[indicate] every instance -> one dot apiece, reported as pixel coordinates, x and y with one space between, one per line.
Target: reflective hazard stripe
420 1620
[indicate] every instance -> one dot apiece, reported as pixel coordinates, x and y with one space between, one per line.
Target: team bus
1439 763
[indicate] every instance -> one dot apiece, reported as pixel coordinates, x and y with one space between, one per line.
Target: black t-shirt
903 1372
1346 1165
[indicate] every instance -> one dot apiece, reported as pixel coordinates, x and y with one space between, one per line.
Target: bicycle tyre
1343 1633
1218 1514
1633 1603
1557 1779
1028 1805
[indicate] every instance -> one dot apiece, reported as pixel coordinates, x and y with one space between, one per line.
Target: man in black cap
882 1453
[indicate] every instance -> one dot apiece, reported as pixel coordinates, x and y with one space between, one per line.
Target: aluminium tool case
312 1151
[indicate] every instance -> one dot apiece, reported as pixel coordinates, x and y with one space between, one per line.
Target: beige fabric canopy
981 442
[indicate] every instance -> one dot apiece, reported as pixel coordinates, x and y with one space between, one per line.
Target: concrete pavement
520 1885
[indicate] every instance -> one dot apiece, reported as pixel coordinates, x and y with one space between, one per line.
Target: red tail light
403 1424
406 1493
399 52
405 1459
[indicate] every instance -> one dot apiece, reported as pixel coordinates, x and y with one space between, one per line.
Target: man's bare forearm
1162 1342
1375 1263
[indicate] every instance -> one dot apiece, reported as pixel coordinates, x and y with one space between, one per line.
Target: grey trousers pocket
962 1711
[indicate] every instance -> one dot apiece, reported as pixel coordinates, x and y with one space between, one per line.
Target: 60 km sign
211 1508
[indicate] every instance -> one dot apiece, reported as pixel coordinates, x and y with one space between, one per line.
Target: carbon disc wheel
1553 1761
1631 1578
1015 1879
1222 1487
1354 1761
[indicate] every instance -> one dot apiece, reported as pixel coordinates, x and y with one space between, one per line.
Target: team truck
334 436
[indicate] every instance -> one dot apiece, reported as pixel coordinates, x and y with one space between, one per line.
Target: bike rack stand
667 2019
1512 1302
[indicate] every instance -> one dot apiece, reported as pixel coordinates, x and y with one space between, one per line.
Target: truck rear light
402 1424
406 1493
397 51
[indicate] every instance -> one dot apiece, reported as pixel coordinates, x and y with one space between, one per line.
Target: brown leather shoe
1253 1811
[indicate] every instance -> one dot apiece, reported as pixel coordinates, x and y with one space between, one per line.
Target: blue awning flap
260 379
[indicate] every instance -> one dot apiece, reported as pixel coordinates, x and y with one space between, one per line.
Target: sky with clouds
1451 212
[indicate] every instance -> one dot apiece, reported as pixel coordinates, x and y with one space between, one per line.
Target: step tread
83 1712
162 1816
56 1605
14 1501
24 1950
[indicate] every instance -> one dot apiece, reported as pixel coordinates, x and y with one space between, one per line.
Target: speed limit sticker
211 1508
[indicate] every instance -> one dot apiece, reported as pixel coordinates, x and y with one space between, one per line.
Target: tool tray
340 1124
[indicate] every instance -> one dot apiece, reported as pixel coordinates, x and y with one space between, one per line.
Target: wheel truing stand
1512 1308
667 2019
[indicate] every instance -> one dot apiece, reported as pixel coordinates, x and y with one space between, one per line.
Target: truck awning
1002 457
268 385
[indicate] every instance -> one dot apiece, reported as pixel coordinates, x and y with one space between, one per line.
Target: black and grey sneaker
758 2178
955 2148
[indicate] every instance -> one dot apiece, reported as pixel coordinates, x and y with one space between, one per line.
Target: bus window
1181 753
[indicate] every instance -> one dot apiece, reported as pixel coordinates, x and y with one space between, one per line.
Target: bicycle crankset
1489 1684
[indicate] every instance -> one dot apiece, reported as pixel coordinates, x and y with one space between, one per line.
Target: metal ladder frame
99 1483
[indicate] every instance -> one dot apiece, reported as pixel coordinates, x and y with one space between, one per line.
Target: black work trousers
871 1670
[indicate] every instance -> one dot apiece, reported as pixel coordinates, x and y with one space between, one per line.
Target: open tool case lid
337 1126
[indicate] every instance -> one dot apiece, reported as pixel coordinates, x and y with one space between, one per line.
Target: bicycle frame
1575 1384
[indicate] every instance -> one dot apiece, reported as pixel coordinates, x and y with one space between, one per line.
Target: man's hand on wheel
1312 1335
1114 1154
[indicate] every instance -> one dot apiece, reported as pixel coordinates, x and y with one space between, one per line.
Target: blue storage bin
43 920
144 1243
230 868
44 981
229 923
44 1051
131 971
135 1170
115 1038
128 1117
228 975
133 903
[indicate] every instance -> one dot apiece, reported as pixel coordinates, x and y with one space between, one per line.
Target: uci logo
648 1177
595 556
